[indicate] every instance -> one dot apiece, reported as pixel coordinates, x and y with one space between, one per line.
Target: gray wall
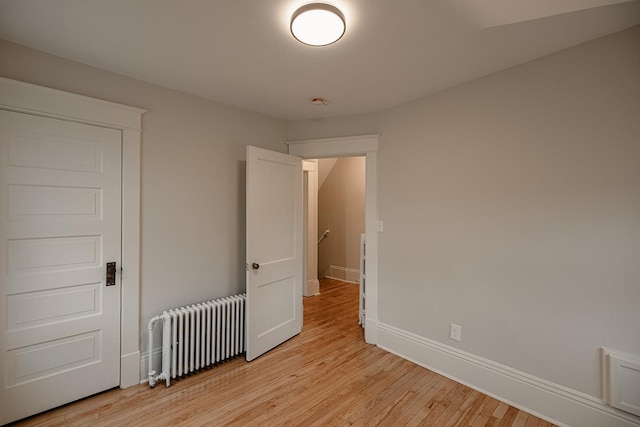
511 206
193 177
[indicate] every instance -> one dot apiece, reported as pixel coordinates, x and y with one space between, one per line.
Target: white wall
193 178
511 206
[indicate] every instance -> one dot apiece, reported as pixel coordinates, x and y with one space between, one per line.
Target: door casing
41 101
311 285
362 145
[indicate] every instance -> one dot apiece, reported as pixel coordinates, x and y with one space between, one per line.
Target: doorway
367 146
341 217
335 225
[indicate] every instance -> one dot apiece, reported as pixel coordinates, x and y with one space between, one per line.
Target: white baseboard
312 287
129 369
370 331
351 275
544 399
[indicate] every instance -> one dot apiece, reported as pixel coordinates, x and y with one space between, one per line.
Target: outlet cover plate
455 332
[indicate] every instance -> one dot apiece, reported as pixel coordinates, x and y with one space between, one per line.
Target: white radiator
198 335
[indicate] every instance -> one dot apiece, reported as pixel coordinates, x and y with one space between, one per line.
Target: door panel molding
274 249
41 101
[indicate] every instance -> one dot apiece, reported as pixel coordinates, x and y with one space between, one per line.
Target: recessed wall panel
34 256
40 308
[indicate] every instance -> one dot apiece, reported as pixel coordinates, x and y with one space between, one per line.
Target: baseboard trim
555 403
351 275
370 331
129 369
312 288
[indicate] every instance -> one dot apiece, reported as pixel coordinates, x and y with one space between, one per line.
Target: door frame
36 100
351 146
311 284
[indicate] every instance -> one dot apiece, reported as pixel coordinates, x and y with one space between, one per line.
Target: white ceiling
240 52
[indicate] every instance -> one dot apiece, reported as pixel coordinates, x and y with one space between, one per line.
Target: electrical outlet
380 226
455 332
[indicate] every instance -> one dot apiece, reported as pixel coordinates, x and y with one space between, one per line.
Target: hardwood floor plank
443 410
386 400
432 403
467 411
378 375
404 405
453 403
424 394
500 410
488 406
521 419
335 395
326 376
509 417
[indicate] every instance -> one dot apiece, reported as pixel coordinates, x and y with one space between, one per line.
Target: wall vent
621 380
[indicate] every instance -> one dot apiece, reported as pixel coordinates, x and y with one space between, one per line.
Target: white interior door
60 209
274 249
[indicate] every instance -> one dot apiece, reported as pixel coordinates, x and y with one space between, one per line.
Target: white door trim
37 100
310 189
362 145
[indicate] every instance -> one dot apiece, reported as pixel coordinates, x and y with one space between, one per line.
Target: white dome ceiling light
318 24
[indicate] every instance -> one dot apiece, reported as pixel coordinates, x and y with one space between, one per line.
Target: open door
274 249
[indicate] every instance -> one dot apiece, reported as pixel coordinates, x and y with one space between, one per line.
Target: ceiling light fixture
318 24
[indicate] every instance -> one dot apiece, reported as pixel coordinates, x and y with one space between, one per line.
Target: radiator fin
202 334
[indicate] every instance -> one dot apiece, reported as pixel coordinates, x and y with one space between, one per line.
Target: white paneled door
274 249
60 219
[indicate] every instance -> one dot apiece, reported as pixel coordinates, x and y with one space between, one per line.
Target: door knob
255 266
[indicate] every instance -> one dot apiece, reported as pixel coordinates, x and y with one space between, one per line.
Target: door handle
255 266
111 274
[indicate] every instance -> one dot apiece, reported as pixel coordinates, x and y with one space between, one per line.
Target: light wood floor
325 376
